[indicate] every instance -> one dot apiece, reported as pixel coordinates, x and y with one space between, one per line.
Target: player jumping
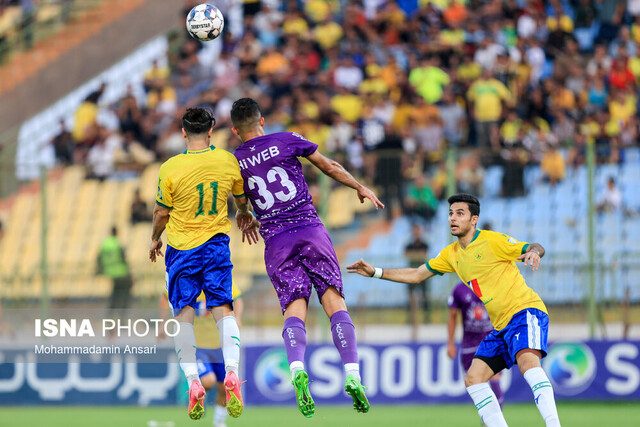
484 260
298 252
191 203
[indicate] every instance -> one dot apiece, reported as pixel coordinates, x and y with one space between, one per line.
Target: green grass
571 414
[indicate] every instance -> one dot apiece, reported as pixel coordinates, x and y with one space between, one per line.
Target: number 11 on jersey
214 203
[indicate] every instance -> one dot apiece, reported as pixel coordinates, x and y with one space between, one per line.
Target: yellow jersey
487 266
195 185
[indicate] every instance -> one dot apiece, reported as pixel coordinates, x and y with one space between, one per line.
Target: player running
475 327
191 203
298 252
484 260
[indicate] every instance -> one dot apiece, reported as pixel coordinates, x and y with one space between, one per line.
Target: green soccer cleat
355 389
305 402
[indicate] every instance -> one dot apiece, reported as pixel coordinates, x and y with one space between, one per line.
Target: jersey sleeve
301 146
506 247
164 197
440 264
237 188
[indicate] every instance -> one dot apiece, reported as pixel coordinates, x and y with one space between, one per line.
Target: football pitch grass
522 415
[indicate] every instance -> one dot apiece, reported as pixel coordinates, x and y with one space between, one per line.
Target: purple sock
344 336
295 339
495 386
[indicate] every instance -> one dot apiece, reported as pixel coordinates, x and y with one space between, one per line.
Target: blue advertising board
406 373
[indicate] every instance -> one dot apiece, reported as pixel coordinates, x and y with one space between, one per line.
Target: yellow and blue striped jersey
487 266
195 186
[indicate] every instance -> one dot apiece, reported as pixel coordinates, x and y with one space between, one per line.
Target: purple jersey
475 319
274 182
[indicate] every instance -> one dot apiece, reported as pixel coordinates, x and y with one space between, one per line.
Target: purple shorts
299 259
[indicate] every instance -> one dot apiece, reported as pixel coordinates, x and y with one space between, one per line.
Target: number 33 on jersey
274 182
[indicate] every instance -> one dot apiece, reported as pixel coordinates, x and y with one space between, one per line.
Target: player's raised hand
362 268
251 233
531 258
155 249
365 193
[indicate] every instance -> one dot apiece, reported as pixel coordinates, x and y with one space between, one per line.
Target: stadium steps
27 63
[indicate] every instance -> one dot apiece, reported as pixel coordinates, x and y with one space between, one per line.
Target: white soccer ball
205 22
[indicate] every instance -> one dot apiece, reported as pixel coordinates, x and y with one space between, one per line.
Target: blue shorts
210 361
205 268
526 329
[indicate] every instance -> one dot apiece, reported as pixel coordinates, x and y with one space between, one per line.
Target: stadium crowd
385 87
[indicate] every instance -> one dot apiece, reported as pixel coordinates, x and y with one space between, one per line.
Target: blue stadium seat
493 181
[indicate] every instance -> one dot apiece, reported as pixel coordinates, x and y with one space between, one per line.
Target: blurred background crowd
385 87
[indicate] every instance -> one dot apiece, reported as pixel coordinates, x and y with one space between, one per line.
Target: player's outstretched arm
160 220
402 275
532 256
336 171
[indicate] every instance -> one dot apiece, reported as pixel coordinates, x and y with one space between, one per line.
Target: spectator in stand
421 200
417 251
611 199
552 165
63 145
486 96
139 209
470 174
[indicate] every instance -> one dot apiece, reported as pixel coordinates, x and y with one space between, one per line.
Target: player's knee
472 379
208 381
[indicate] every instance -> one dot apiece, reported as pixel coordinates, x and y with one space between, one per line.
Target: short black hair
245 113
471 201
197 121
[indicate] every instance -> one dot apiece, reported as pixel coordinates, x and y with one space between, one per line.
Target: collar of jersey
204 150
475 236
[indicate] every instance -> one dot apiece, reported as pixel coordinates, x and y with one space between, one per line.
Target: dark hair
245 113
472 201
114 231
196 121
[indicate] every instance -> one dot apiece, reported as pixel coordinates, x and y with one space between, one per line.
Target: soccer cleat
305 402
196 400
355 389
234 396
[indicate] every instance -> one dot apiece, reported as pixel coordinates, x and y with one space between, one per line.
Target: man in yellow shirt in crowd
486 96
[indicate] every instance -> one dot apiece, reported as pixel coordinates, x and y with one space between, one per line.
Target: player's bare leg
230 343
295 342
344 338
210 381
477 382
529 364
220 412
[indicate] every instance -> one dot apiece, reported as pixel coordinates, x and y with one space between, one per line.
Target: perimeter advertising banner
398 373
423 373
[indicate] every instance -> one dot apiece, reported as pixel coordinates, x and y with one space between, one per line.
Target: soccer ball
205 22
